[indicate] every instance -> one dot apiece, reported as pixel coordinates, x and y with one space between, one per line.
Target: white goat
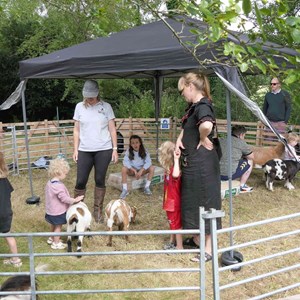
79 220
118 212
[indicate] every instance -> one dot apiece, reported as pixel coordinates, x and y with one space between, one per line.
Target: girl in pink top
58 200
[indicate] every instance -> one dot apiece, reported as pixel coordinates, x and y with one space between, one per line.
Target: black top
199 112
5 205
200 168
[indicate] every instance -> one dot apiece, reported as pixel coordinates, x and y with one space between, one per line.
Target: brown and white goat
119 212
79 220
263 154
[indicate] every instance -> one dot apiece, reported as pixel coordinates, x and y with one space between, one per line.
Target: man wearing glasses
277 106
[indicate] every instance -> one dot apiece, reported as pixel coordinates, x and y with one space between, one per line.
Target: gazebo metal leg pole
228 109
33 199
26 140
230 257
158 83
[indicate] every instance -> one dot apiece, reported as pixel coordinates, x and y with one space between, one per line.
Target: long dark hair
142 151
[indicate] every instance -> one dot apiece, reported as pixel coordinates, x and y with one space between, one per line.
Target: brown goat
264 154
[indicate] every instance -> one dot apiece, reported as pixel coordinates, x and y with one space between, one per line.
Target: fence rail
35 274
262 242
218 285
50 138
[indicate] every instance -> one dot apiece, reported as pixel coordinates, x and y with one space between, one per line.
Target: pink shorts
174 219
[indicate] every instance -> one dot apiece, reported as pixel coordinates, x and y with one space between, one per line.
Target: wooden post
130 126
46 136
1 136
174 129
259 134
171 129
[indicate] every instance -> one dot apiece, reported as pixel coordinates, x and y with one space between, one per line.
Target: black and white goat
278 169
79 220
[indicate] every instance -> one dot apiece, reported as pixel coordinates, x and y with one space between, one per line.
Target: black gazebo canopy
144 51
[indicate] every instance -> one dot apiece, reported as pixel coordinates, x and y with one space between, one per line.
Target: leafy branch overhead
250 34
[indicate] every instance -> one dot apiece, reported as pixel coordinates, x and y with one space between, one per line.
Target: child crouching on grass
58 200
6 213
169 159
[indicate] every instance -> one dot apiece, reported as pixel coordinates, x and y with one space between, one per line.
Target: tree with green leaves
31 28
250 17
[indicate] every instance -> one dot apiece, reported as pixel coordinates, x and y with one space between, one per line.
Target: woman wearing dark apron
201 185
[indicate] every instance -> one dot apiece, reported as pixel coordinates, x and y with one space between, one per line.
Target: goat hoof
79 256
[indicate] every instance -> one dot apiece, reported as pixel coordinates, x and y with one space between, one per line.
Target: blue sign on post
165 123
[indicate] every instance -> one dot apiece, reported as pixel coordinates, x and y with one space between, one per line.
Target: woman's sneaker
124 194
147 191
58 246
245 188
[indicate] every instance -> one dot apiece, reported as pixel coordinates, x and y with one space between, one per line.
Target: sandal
196 258
190 243
14 262
208 257
50 241
170 246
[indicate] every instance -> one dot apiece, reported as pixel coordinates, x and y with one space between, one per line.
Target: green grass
258 205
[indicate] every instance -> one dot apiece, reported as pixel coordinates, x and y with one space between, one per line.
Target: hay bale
115 180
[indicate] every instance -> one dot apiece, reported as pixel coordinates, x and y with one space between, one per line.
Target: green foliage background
30 28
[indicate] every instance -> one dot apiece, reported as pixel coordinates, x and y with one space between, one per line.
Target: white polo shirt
93 126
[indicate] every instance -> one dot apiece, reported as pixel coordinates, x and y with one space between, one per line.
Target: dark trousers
86 161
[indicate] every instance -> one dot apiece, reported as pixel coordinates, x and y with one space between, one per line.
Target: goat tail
73 219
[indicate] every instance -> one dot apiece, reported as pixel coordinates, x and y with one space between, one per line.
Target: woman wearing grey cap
95 143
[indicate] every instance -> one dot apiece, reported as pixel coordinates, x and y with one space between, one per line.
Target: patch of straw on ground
258 205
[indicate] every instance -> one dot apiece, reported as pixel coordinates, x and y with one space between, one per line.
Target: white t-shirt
93 125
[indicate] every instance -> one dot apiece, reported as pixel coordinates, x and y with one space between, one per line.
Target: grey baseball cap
90 89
